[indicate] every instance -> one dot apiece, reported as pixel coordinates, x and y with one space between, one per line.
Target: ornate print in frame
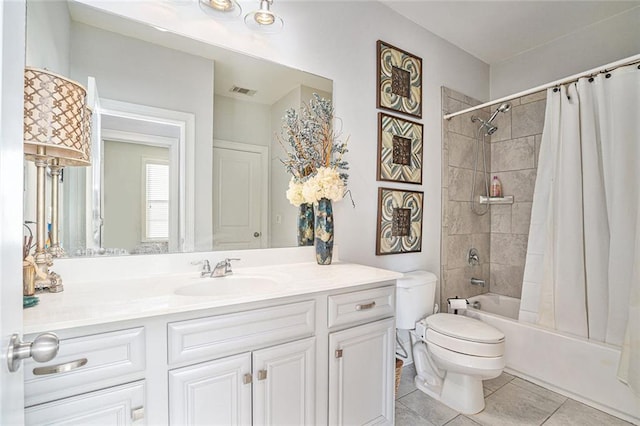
399 221
399 80
399 149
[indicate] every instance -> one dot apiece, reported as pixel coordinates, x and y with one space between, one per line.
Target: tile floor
509 401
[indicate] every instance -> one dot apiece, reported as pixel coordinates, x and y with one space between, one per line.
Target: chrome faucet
222 268
477 281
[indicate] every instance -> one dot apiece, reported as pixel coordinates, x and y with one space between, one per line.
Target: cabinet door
119 405
212 393
284 384
361 374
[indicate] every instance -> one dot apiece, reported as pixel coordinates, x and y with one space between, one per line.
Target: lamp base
57 251
52 283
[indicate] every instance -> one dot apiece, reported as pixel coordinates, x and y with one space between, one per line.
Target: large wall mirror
184 154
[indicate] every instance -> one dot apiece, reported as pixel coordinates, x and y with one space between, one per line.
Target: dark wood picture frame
399 78
399 227
400 150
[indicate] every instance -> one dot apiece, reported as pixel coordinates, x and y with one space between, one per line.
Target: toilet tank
415 298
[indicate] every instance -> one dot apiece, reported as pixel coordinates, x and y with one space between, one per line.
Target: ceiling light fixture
263 19
225 9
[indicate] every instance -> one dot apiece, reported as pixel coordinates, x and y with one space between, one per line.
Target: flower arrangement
315 160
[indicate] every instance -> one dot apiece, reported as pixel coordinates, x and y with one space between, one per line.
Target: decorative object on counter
399 80
28 278
315 162
56 123
399 221
264 20
399 149
29 301
324 232
306 219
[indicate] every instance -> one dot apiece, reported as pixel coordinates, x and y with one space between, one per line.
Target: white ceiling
494 31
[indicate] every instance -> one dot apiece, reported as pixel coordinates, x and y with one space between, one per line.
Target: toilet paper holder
456 303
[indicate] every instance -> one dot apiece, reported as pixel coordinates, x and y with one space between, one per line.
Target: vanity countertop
84 304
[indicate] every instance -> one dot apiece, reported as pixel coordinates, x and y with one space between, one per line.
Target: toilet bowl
452 354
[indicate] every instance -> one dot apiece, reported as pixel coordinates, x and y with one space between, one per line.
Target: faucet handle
206 267
227 263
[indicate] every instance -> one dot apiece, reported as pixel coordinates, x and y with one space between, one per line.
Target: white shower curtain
584 236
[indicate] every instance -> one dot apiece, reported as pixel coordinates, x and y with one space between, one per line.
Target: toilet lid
462 327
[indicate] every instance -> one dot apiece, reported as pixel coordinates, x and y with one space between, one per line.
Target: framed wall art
399 149
399 80
399 221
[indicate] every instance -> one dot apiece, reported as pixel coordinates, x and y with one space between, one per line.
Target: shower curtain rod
603 68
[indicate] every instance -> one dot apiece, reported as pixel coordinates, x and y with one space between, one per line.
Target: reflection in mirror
185 156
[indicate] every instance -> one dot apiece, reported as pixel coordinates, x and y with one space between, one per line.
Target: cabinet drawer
222 335
119 405
110 358
361 305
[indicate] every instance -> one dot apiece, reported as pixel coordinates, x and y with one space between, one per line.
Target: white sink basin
229 285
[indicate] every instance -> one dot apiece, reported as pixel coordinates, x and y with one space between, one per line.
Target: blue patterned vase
324 231
305 224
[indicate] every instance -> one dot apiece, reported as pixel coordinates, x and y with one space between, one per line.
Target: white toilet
452 354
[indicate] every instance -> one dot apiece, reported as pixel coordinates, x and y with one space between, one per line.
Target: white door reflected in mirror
240 184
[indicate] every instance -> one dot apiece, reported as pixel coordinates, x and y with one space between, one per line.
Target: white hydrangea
326 183
294 193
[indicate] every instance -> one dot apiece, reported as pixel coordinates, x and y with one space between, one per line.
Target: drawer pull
247 378
262 374
59 368
137 414
362 307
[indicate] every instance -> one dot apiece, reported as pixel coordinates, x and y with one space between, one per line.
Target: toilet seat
465 347
464 335
467 364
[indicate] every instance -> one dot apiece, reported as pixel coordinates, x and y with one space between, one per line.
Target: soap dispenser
495 190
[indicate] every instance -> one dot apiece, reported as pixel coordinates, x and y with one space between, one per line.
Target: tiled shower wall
514 160
500 236
461 228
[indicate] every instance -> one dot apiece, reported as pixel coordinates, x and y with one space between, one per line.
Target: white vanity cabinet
319 353
273 383
118 405
95 379
272 386
361 358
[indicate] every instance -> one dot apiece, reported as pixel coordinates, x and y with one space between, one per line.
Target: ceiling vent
243 91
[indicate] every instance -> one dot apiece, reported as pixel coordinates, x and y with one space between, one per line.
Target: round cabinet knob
45 347
256 234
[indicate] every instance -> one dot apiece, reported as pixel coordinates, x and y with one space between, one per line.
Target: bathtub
575 367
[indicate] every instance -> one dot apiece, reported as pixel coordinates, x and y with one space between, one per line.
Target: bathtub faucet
477 281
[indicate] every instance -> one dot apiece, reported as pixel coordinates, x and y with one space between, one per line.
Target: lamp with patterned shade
55 134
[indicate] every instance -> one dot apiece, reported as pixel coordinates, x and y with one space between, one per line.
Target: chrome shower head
504 107
491 129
